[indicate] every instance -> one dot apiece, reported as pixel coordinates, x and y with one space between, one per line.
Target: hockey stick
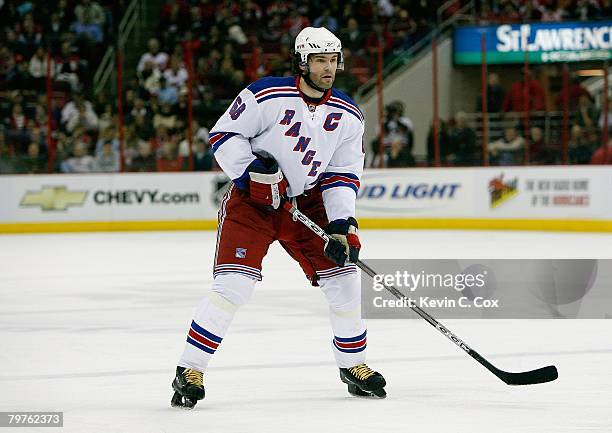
540 375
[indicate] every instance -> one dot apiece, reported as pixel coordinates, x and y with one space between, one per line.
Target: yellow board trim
487 224
107 226
570 225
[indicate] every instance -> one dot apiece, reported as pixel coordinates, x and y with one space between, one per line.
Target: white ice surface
93 324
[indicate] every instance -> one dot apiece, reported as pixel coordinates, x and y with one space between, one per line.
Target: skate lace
194 377
362 371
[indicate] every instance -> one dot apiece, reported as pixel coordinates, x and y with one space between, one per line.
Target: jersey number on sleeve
237 108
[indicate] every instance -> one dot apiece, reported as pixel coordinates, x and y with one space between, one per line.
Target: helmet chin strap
306 77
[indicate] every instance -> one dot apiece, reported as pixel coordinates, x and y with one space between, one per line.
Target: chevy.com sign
541 42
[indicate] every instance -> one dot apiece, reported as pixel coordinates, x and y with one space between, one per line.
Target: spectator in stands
83 118
237 35
176 75
280 65
202 156
404 29
88 33
602 117
508 149
38 69
33 162
398 124
398 130
7 62
215 39
509 12
107 118
280 7
154 58
166 119
92 10
38 137
527 86
327 20
530 12
172 22
144 160
379 33
399 155
54 31
579 148
8 161
575 91
17 127
250 14
69 66
541 152
352 38
272 28
65 13
107 135
143 126
586 114
168 158
462 141
495 95
29 37
80 162
603 155
257 66
557 13
107 158
18 77
443 143
294 24
166 94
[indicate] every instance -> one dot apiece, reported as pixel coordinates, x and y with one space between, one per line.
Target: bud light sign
406 192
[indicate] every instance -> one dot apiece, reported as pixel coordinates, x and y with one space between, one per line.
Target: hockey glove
267 184
344 241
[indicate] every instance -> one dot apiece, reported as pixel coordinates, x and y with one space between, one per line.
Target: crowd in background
518 11
55 38
226 45
518 118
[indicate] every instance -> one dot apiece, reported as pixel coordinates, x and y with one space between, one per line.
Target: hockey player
294 137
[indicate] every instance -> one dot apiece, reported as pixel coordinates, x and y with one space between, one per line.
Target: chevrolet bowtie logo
53 198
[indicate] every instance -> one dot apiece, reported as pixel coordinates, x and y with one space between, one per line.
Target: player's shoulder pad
267 83
341 100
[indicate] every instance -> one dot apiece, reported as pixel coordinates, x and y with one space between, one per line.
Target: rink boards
523 198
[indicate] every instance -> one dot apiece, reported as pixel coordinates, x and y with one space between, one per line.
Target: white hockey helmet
317 40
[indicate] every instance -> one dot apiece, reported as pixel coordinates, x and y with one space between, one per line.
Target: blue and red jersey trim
203 339
351 344
218 138
333 179
337 271
231 268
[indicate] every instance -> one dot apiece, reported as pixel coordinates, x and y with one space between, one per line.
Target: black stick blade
541 375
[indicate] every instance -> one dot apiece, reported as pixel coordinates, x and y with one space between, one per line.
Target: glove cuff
342 226
267 178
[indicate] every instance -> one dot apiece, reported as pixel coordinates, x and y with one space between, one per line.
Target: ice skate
188 388
362 381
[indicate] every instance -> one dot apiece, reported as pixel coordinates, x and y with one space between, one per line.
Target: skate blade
358 392
181 402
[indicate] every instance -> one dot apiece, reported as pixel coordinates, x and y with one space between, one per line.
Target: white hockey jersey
322 144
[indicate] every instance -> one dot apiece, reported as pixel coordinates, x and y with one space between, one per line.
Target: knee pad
343 293
236 289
